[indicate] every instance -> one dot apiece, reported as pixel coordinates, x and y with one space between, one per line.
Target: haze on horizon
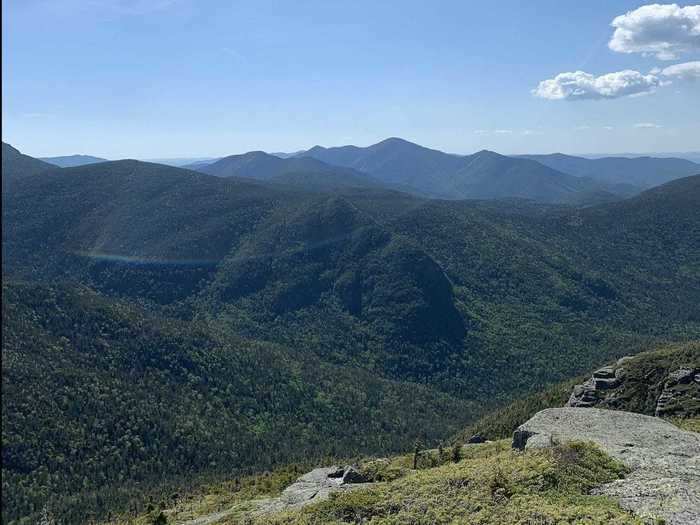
178 78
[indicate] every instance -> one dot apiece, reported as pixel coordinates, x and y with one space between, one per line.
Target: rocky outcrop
665 461
678 385
312 487
593 390
631 384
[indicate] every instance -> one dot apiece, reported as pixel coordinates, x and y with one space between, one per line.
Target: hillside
302 172
470 303
440 291
71 161
488 175
112 234
637 172
393 160
554 476
483 175
16 165
490 484
643 379
121 396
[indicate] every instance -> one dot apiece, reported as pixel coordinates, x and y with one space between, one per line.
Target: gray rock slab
665 460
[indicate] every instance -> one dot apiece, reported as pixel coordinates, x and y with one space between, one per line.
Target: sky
198 78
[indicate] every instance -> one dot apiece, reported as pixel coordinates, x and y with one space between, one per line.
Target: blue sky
181 78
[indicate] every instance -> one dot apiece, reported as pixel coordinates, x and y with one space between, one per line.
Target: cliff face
660 383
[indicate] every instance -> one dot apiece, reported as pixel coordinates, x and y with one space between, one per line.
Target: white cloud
503 131
579 85
664 31
684 71
481 131
648 125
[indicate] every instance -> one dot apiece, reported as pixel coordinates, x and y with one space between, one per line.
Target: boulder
477 438
681 376
312 487
665 461
583 395
607 372
606 383
352 475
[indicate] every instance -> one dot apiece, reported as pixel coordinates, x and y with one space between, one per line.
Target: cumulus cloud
579 85
647 125
664 31
684 71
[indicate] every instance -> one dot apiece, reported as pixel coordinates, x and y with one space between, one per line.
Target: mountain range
483 175
304 172
401 165
639 172
70 161
178 327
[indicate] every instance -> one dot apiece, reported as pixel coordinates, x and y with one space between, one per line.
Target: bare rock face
591 392
671 392
665 461
312 487
678 384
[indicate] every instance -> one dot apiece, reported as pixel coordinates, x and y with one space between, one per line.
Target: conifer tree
457 452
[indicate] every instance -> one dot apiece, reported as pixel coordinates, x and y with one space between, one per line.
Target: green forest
163 328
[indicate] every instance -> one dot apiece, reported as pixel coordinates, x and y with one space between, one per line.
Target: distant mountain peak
488 152
395 140
258 153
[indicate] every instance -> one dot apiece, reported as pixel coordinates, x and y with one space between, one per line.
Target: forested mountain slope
126 223
642 379
476 301
639 172
17 165
99 395
304 172
483 175
434 290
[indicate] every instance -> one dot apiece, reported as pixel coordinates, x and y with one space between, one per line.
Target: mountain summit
483 175
303 171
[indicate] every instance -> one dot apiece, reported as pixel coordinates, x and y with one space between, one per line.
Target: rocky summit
664 482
